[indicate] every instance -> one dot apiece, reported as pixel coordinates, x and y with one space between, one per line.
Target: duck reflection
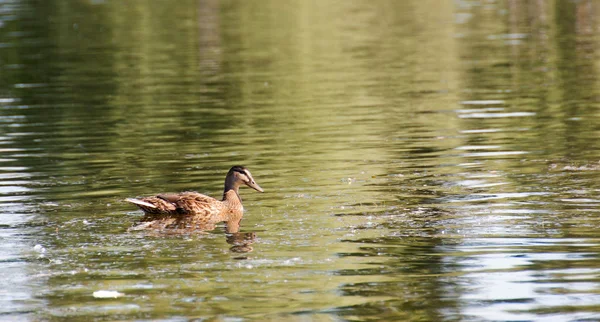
241 241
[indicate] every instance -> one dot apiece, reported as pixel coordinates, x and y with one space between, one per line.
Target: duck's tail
141 203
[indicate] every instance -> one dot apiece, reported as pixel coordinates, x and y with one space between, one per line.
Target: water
421 160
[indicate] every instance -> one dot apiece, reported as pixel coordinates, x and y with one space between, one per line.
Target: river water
422 160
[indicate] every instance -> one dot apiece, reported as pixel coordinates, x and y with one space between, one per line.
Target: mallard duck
192 210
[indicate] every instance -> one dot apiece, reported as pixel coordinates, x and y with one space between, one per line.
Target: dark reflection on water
423 160
242 242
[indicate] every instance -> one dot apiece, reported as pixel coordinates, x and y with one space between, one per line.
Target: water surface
421 160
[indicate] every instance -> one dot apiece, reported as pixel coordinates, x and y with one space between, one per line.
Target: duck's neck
233 207
232 196
231 185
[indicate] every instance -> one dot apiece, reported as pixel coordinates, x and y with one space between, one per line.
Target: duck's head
238 175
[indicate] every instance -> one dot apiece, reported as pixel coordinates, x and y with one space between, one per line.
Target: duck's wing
185 203
154 205
193 203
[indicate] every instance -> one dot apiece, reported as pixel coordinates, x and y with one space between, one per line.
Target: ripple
478 147
518 277
506 195
30 85
473 184
483 102
492 154
580 200
495 115
13 169
5 189
8 100
481 131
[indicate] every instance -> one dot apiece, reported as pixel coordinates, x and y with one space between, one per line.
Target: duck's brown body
192 210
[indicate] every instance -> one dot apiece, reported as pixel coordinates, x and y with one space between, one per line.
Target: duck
193 210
